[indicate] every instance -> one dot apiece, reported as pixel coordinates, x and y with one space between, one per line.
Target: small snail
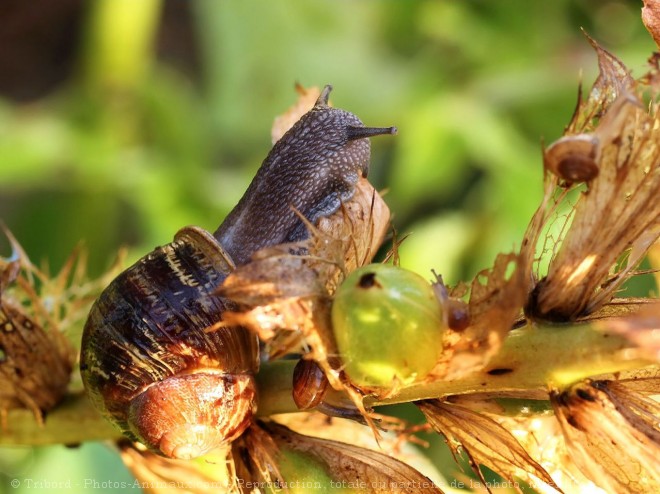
309 384
574 158
146 361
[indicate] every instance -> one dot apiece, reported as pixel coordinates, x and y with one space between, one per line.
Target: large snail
146 361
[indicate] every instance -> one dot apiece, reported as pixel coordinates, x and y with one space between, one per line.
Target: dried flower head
617 217
612 434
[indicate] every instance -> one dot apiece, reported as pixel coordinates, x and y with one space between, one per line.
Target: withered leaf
615 221
612 434
158 475
35 358
270 457
613 80
484 440
641 328
496 297
651 19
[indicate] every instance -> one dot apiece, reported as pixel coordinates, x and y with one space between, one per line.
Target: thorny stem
531 360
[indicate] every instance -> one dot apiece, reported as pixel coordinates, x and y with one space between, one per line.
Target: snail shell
169 387
309 384
574 158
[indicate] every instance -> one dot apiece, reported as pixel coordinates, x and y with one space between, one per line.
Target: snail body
147 362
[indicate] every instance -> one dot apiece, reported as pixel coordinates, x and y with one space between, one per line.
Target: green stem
119 43
531 360
534 359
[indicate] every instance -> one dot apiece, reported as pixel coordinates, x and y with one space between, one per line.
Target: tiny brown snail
146 360
574 158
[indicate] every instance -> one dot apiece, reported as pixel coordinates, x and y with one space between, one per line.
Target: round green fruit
388 326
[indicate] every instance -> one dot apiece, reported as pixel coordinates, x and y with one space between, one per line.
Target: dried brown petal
35 358
613 80
271 455
616 220
496 297
612 434
484 440
641 328
651 19
159 475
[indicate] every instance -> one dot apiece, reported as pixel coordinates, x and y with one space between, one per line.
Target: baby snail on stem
574 158
577 158
147 362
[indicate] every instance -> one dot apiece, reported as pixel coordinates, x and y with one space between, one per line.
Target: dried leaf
37 312
616 220
651 19
395 443
496 297
484 440
641 328
159 475
612 434
614 80
271 457
543 440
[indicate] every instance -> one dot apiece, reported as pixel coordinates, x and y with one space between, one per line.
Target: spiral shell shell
574 158
145 339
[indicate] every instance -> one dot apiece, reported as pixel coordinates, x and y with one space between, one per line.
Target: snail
146 361
574 158
310 384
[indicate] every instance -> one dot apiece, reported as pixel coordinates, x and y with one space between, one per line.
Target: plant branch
531 360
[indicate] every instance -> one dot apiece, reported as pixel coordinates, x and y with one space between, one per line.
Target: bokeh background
122 121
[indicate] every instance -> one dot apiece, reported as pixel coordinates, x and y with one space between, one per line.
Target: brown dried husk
485 442
260 458
612 433
36 359
158 475
616 216
496 296
39 315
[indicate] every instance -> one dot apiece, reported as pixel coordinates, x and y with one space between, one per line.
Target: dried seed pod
574 158
36 359
146 359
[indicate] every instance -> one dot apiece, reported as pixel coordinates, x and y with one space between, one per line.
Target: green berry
388 326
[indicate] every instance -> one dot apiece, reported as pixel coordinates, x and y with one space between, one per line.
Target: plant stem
531 360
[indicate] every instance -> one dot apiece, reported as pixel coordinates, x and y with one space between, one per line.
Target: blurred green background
122 121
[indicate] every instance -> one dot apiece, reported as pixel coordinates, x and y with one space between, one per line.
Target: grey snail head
311 170
147 362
